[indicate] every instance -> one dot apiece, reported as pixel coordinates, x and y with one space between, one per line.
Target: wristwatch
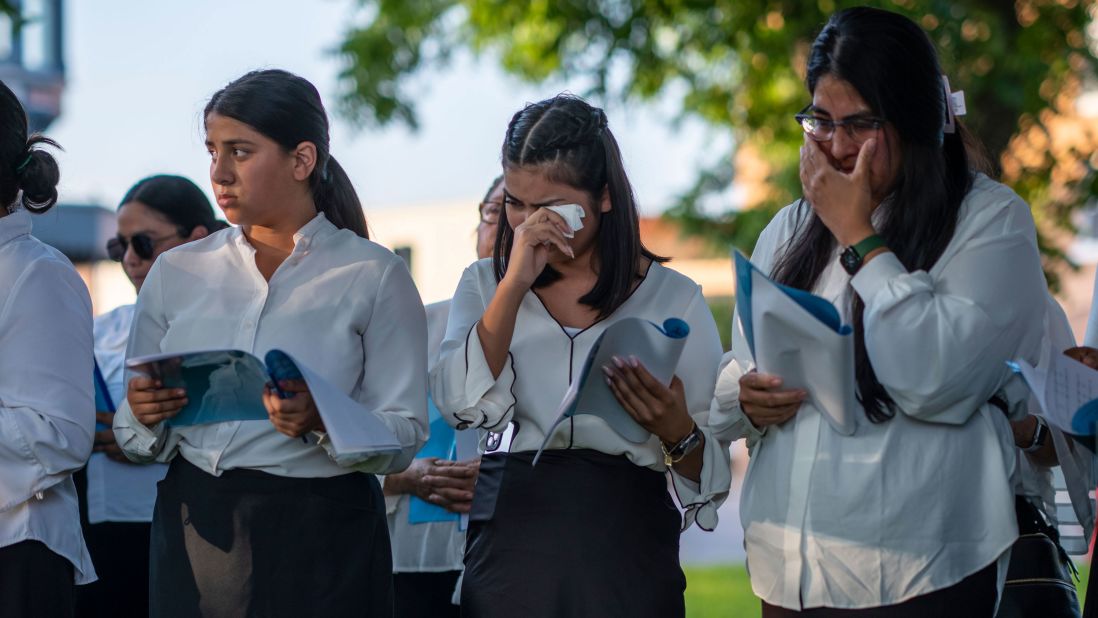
853 256
682 448
1040 436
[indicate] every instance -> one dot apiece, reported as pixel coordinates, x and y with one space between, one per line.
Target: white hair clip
955 106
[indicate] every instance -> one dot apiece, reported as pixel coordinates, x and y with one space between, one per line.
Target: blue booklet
443 445
801 337
817 307
227 385
103 401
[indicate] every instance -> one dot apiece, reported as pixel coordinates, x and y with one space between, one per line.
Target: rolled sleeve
395 391
467 394
939 345
47 402
698 371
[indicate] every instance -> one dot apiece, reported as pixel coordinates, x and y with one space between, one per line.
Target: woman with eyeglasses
156 214
937 268
46 396
592 531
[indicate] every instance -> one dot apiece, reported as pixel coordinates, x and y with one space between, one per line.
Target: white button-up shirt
919 502
544 359
47 403
118 491
340 304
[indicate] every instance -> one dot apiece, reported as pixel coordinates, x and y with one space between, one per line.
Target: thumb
865 160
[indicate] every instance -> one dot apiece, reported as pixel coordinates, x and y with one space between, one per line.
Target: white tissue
572 214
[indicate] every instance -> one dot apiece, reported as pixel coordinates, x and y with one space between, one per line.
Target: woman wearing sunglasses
936 266
46 392
156 214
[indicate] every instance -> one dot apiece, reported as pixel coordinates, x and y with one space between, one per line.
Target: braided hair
569 141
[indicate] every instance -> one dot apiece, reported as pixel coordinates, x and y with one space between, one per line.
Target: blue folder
103 401
442 445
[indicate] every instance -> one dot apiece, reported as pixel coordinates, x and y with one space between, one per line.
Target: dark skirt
249 543
972 597
584 534
35 582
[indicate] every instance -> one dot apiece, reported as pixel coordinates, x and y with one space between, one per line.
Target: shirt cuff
493 402
726 417
876 274
138 442
701 499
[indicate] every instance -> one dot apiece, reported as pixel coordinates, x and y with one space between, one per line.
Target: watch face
850 260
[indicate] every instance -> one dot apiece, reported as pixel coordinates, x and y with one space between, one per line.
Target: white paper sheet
1066 390
658 347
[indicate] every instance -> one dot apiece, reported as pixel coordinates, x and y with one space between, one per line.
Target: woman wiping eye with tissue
568 264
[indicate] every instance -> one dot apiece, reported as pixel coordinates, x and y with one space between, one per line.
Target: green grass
725 592
720 592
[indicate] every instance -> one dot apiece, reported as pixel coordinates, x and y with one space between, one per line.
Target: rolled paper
572 214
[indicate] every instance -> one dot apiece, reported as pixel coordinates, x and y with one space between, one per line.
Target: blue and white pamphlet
657 346
801 338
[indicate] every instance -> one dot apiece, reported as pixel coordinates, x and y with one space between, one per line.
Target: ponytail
335 196
24 168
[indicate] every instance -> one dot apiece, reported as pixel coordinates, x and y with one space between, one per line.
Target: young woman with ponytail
936 266
592 530
256 517
47 405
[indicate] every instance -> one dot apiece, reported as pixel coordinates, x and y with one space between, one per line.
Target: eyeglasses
143 245
489 212
858 128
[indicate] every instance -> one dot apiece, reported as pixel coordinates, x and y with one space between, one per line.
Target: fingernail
608 381
618 362
180 392
634 361
607 371
775 381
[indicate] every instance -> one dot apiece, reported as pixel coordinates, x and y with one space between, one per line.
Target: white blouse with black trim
544 359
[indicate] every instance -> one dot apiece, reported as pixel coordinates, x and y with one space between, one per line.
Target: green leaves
739 66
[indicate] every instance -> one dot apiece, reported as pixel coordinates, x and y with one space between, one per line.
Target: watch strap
867 245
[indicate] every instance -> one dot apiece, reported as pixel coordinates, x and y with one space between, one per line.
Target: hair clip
955 106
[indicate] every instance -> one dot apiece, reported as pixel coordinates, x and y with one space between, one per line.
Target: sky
139 74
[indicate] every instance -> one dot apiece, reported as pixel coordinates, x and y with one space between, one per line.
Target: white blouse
342 305
544 359
430 546
47 403
919 502
118 491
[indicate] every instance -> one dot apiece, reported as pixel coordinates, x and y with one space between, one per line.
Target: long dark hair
178 199
569 141
287 109
892 64
23 166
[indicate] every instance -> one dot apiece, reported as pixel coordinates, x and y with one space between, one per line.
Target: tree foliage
739 66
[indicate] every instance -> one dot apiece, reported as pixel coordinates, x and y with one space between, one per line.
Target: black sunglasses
143 245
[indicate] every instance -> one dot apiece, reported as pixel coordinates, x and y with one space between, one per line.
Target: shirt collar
317 229
15 225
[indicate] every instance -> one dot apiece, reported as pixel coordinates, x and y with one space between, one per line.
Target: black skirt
249 543
584 534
